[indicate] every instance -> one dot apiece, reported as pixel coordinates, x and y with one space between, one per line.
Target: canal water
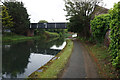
19 60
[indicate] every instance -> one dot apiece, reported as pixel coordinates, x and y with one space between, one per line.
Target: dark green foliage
114 47
99 26
20 16
40 32
56 30
59 31
75 24
43 21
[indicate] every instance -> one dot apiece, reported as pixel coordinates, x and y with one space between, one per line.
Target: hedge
114 47
99 26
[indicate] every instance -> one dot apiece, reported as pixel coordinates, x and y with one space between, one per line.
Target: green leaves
79 15
43 21
7 22
114 47
99 26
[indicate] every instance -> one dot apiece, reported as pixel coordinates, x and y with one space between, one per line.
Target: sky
52 10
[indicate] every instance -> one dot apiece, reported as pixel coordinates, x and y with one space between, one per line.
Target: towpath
80 64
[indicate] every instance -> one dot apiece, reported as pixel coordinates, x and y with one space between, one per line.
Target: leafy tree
40 31
79 14
20 16
43 21
6 19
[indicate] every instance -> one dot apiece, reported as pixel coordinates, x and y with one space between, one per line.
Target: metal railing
48 25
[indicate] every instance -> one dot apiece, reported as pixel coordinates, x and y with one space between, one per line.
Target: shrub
114 47
99 26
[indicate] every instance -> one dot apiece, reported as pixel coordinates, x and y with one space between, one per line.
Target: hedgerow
114 47
99 26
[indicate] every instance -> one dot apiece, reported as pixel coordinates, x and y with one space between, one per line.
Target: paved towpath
80 64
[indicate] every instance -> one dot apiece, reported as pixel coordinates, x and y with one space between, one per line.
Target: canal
19 60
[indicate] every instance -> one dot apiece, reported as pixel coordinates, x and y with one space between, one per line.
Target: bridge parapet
48 25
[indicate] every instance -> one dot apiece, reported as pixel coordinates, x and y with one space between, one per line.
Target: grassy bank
51 34
68 34
15 37
56 65
102 58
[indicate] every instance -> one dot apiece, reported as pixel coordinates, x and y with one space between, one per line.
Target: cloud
110 3
45 10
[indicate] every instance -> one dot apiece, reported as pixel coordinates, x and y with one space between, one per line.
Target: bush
99 26
114 47
39 32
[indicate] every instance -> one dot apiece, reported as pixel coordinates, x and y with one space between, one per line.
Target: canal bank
23 58
20 59
56 65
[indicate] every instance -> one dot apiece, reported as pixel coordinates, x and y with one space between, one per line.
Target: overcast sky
51 10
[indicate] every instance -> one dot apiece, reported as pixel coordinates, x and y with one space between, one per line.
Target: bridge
48 25
57 25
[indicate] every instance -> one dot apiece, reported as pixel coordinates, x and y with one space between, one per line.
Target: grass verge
66 35
51 34
55 65
15 37
101 56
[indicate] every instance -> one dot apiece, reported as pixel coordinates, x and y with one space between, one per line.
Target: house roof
99 10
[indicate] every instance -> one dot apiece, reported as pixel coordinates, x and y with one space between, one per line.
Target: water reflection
58 48
74 35
21 59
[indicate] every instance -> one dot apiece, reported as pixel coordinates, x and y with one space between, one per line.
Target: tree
79 14
20 16
6 19
43 21
40 31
